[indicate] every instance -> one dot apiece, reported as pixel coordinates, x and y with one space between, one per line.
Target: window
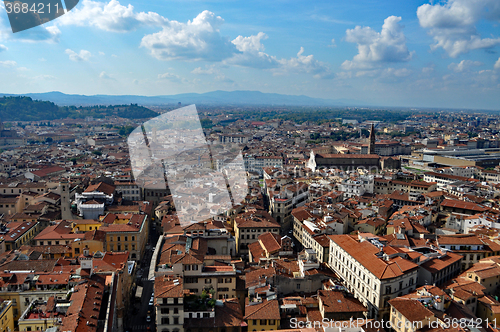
263 322
126 238
208 281
298 286
176 310
165 321
176 320
164 310
133 238
388 289
77 250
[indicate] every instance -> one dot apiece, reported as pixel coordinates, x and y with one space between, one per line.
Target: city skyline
411 54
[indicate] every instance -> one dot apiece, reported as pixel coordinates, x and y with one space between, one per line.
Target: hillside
27 109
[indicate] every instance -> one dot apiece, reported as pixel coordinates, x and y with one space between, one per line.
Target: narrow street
138 309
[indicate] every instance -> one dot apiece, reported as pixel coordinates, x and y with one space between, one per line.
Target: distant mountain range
208 98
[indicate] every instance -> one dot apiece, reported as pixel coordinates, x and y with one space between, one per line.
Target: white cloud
3 48
199 39
464 65
452 24
252 54
102 53
213 70
375 48
111 16
250 44
105 76
8 63
172 78
497 64
84 55
429 69
208 70
304 64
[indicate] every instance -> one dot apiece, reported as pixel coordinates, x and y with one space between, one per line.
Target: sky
409 53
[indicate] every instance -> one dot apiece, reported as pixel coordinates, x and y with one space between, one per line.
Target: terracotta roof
101 187
335 301
168 287
413 310
365 253
462 205
271 242
264 310
83 313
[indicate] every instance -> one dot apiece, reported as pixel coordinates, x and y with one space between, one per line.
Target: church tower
371 141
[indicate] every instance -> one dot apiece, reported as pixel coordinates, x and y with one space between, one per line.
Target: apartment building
6 316
442 179
16 234
131 237
262 314
130 191
169 304
373 276
257 163
471 247
357 187
413 188
248 226
283 199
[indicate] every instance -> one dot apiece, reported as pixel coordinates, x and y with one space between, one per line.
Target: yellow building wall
485 313
36 325
93 246
86 227
14 297
7 318
259 327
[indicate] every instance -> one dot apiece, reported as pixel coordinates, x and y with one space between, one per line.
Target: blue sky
391 53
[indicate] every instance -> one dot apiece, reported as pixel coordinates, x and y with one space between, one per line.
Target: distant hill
208 98
24 108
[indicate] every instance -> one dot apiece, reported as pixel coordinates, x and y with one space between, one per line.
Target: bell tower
371 140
